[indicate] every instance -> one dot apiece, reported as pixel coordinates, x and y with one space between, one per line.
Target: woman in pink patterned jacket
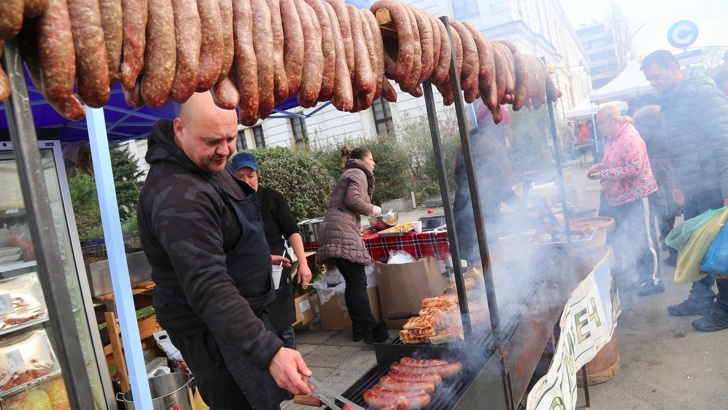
627 180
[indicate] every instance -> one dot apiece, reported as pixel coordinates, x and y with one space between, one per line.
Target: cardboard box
333 318
403 286
304 311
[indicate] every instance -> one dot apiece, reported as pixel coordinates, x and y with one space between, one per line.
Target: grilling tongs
321 391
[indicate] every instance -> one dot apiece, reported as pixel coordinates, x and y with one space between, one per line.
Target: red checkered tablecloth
419 245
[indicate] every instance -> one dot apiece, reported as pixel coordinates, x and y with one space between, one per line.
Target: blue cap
244 159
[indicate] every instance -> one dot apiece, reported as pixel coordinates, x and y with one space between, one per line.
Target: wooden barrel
604 366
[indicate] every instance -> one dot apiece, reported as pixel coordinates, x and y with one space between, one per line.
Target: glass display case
28 366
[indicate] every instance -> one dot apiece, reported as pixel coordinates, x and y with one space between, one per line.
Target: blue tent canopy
122 121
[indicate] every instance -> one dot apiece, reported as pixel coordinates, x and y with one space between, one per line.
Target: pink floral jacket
625 169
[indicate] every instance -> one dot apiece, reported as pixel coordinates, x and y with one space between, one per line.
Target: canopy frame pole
449 217
114 240
479 223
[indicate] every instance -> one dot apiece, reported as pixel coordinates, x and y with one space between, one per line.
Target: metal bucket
169 391
309 229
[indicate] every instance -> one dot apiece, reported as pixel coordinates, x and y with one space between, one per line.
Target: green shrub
86 207
393 177
416 140
298 175
86 203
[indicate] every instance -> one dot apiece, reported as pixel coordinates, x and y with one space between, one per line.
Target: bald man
627 180
202 234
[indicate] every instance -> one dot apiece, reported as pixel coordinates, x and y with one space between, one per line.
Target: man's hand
277 259
678 197
304 274
594 172
288 368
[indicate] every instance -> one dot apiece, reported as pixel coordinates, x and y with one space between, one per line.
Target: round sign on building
682 34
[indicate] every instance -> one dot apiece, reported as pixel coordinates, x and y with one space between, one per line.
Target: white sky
711 17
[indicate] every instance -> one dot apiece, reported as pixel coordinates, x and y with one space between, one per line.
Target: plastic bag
397 257
715 261
330 285
688 263
371 275
679 237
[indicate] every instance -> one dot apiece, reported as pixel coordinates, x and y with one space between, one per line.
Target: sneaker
713 321
651 288
689 308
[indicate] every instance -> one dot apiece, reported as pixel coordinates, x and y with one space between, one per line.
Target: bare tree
714 59
622 32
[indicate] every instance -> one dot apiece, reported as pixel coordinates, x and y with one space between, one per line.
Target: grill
475 353
448 392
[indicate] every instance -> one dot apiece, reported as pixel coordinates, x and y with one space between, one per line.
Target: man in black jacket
695 127
202 234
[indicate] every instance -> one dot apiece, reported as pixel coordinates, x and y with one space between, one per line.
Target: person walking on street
627 180
570 139
695 126
341 245
279 223
202 233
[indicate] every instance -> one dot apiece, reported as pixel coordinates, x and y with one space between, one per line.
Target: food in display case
56 390
10 255
21 301
25 357
35 399
50 395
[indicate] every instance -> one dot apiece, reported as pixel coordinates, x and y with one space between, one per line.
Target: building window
298 125
242 143
382 117
463 9
258 136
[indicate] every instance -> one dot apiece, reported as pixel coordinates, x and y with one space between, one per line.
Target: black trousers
631 240
356 296
217 386
217 368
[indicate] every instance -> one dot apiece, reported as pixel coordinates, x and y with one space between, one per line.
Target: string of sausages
254 54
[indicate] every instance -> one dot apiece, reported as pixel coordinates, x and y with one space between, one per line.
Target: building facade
538 27
598 41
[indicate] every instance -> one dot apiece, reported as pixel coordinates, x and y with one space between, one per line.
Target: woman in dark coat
341 245
279 223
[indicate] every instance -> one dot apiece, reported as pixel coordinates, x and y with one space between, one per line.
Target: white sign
587 324
690 57
682 34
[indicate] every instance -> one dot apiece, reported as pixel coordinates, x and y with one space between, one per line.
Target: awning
630 83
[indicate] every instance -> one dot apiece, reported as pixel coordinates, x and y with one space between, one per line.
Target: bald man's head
205 132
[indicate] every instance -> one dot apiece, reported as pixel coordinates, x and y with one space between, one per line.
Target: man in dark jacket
695 126
202 234
662 206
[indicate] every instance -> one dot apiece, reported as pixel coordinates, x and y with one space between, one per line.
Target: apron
249 264
282 311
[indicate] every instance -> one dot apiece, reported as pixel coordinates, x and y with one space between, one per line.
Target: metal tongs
321 391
